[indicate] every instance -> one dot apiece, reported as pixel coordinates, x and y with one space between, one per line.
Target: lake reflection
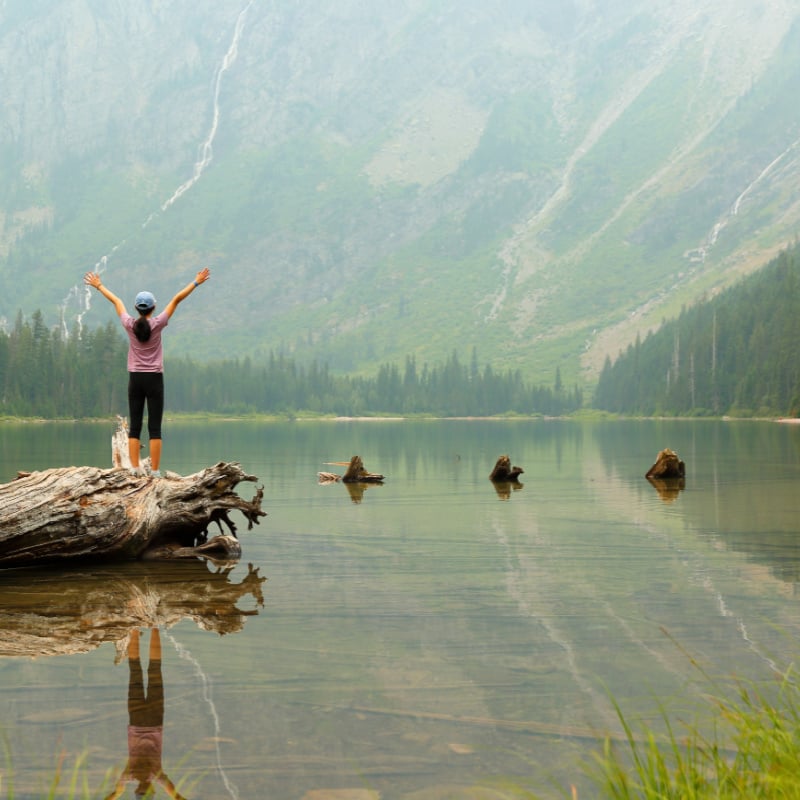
433 636
58 612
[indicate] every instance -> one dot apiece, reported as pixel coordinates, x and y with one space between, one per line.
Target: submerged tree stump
668 465
667 475
355 473
87 513
503 471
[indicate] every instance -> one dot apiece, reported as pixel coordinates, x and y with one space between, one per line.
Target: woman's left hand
203 275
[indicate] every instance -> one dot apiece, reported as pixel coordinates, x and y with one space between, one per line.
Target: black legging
145 709
145 386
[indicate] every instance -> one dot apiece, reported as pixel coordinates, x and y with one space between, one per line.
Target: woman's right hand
203 275
92 279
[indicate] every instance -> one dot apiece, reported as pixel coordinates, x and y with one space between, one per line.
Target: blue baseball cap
145 302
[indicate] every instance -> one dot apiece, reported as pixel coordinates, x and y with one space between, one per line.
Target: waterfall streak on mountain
206 150
83 296
205 681
737 205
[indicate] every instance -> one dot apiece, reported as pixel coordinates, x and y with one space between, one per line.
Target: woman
145 362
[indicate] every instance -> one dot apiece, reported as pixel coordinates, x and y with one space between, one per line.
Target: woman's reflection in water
146 723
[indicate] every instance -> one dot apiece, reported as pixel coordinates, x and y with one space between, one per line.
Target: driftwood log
57 612
92 514
102 514
503 471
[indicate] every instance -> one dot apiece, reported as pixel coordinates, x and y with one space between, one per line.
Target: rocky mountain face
537 179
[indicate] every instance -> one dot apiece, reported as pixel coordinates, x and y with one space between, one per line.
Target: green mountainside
736 354
539 181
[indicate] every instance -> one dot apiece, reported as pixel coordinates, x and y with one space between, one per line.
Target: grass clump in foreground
752 753
75 783
76 788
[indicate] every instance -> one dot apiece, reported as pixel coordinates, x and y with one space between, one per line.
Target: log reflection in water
504 488
356 491
668 488
53 612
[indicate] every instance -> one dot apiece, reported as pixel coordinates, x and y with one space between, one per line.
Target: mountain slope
735 354
540 181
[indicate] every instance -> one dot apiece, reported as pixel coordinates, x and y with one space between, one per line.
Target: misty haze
541 181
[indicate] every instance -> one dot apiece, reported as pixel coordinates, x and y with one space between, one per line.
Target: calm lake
436 637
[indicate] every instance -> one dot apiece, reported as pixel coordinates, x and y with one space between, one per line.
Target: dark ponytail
141 329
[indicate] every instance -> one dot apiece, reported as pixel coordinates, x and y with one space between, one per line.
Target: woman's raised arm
93 279
201 277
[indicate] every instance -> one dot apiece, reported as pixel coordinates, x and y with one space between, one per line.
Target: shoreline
584 416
